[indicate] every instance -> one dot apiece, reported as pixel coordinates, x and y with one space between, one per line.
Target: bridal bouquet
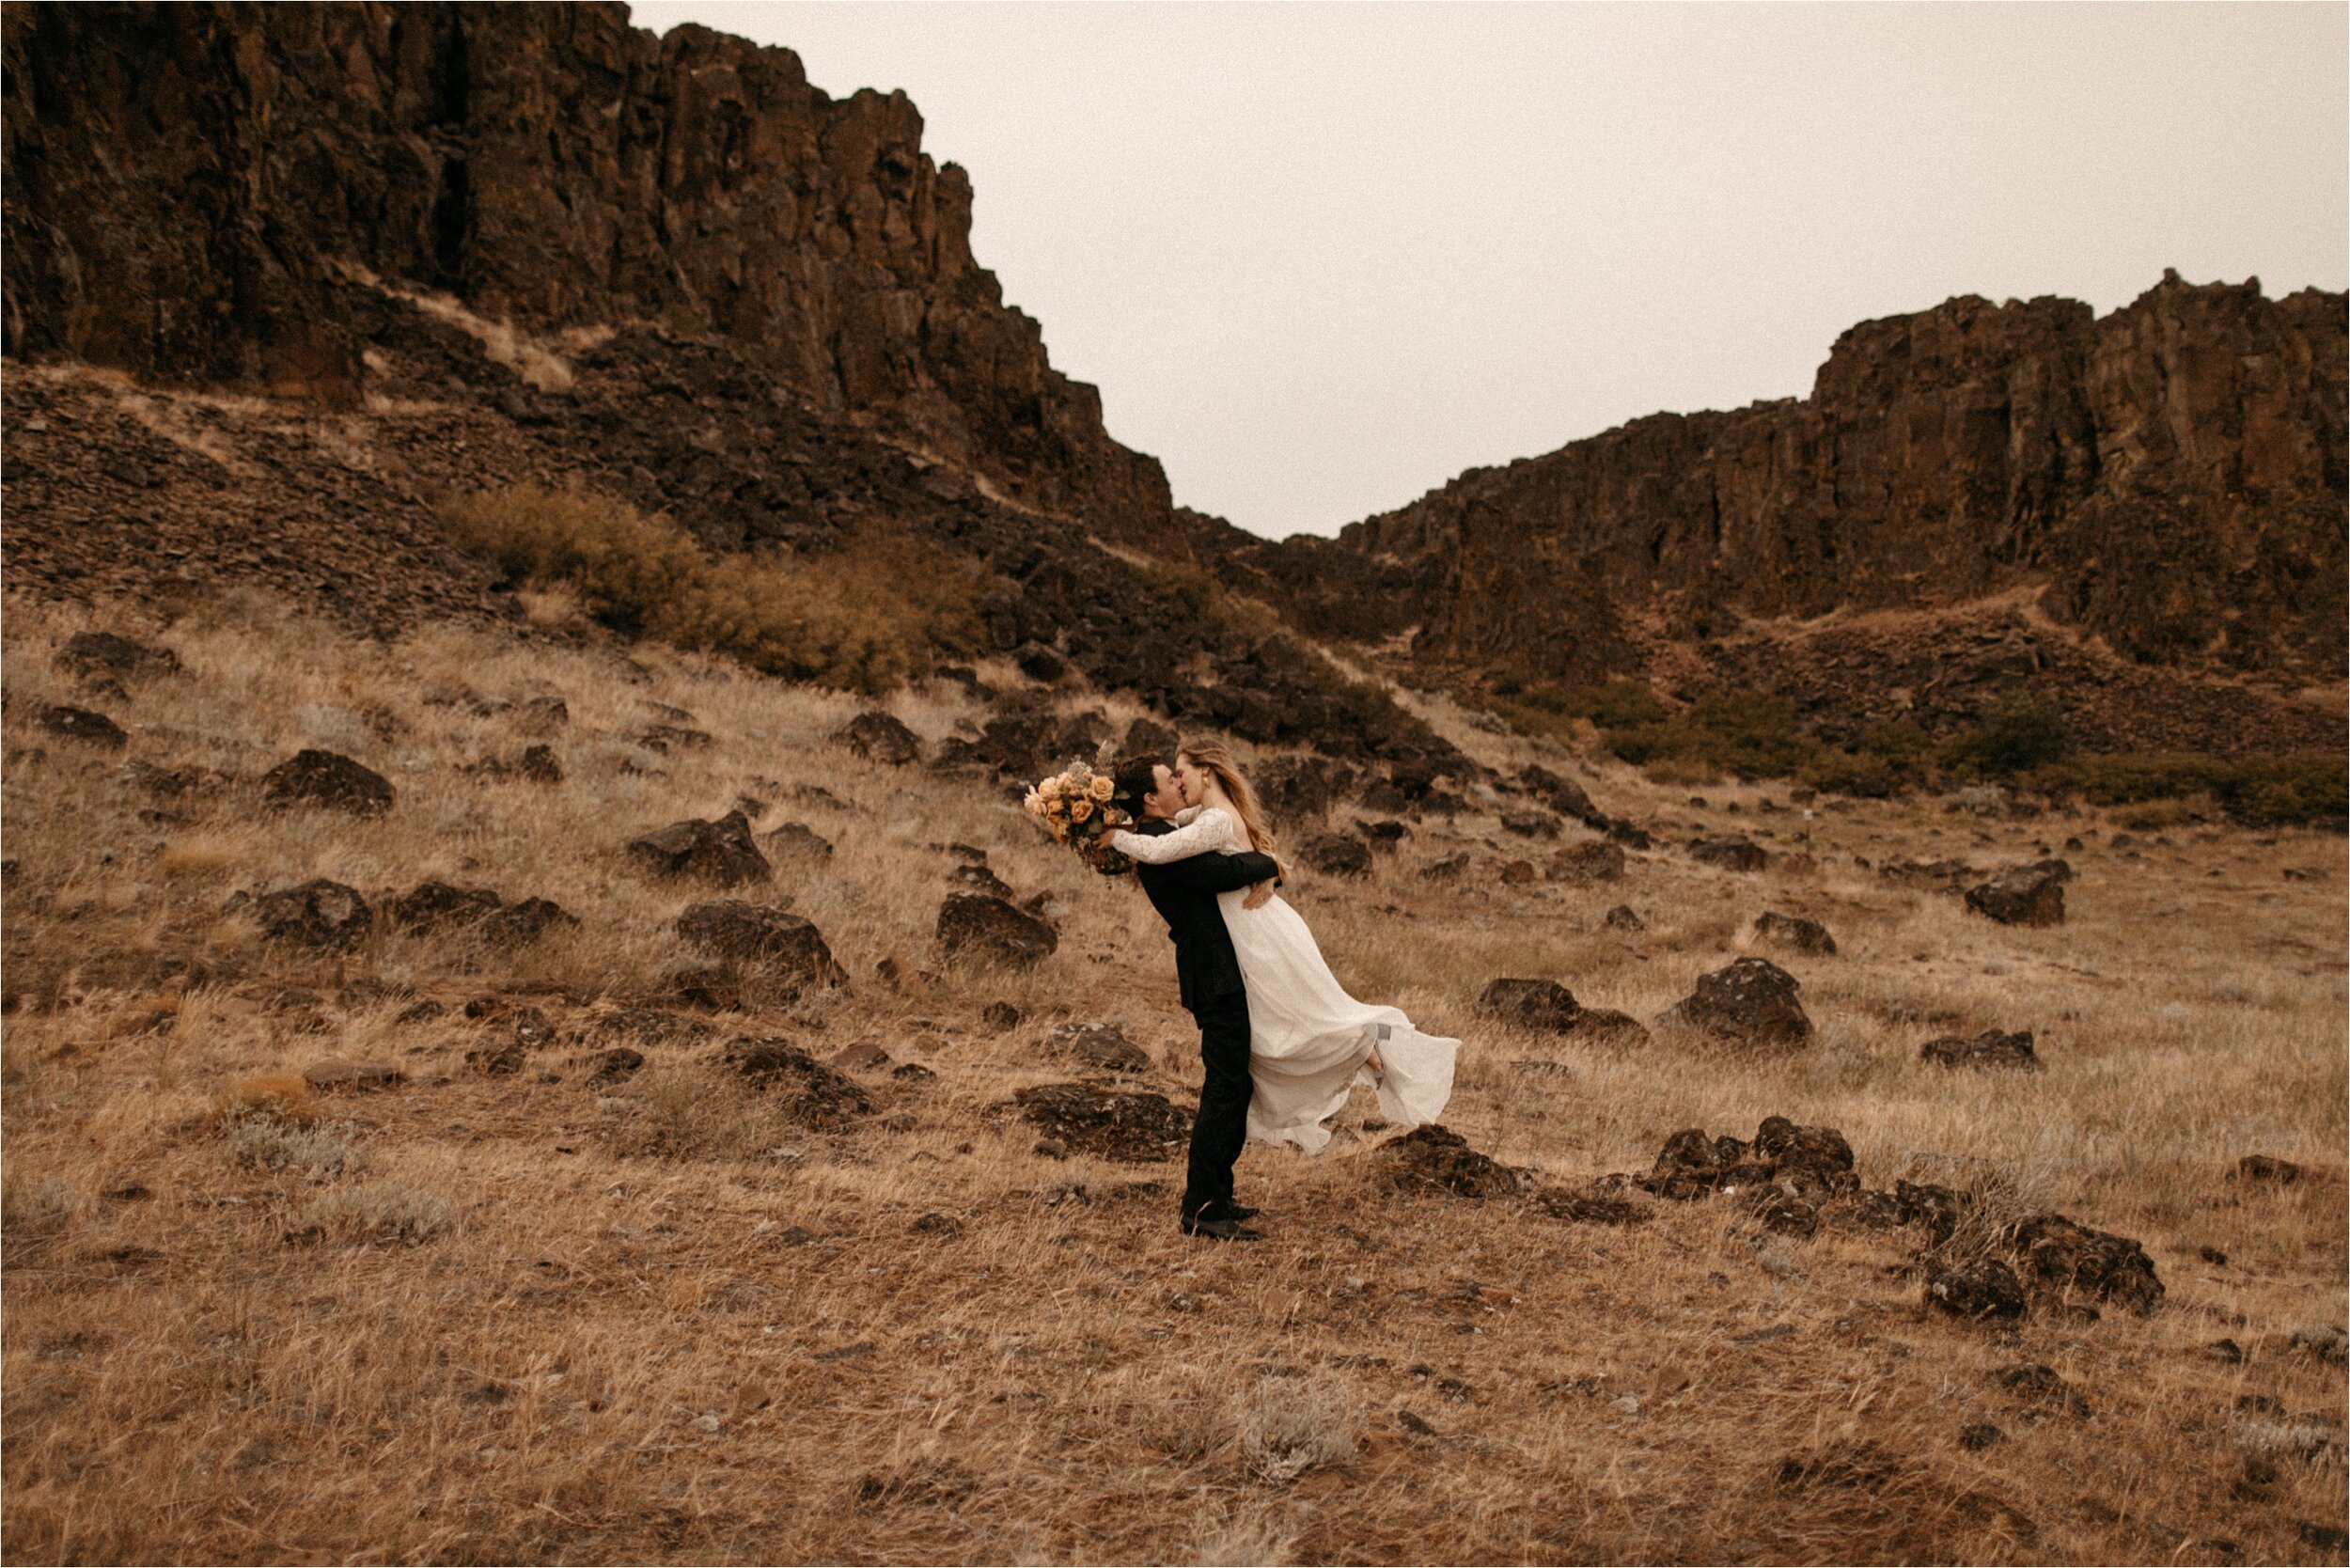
1075 806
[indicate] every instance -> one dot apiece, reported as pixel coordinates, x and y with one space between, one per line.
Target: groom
1208 971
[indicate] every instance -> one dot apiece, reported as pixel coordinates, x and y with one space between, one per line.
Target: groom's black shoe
1239 1213
1220 1230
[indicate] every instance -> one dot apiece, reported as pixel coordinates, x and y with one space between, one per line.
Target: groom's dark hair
1135 779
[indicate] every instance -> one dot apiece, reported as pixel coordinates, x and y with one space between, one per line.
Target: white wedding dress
1309 1043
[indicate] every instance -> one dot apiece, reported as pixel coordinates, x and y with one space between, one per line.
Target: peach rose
1080 809
1101 790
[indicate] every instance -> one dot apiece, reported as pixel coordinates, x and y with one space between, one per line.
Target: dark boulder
1149 741
978 879
2028 896
718 852
1447 868
880 737
1530 825
1750 1002
2038 1384
1793 933
1101 1045
816 1093
80 724
1731 852
751 933
1991 1048
324 778
1335 855
1599 1025
1623 917
1939 876
1534 1004
88 654
2068 1257
1983 1289
1581 865
432 905
519 924
1435 1159
1129 1128
976 927
796 839
1562 795
323 915
2267 1168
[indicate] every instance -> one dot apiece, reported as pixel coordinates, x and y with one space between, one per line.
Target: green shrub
862 619
2262 790
2023 734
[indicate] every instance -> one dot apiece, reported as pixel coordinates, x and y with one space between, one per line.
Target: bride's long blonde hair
1216 758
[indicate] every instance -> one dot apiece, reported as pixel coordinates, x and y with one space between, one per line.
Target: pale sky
1319 257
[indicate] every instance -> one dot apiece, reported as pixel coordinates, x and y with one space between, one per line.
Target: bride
1309 1043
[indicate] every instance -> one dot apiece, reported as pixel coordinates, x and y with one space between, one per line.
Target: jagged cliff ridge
188 188
2172 474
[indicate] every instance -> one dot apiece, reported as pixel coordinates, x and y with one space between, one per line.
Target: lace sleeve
1205 834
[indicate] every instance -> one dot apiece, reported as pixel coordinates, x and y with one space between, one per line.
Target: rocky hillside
2169 479
191 190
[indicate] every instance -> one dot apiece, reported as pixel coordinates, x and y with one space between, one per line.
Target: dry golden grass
533 1318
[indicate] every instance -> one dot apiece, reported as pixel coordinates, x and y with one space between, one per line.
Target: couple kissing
1282 1043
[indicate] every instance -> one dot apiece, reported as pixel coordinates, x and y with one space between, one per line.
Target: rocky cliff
2172 476
192 193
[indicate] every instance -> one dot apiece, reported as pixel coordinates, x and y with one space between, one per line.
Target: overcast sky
1321 257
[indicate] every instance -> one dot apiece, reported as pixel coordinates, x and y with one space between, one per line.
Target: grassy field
536 1317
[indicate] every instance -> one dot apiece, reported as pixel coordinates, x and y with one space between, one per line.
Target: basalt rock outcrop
196 191
2171 476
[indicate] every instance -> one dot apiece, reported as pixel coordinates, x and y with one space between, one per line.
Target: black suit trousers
1222 1124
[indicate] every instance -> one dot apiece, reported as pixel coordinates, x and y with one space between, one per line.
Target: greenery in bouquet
1075 804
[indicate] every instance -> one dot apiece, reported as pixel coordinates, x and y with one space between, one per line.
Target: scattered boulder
1562 795
866 1055
1535 1004
335 1073
1980 1436
618 1063
1985 1289
1792 931
1940 876
797 839
2072 1258
818 1094
978 879
1336 855
501 1059
1101 1045
325 779
2328 1343
880 737
1129 1128
976 926
1040 663
1595 1203
1750 1002
1991 1048
660 739
1732 853
1382 834
431 905
1623 917
718 852
87 654
2267 1168
743 932
2042 1385
518 924
540 764
1597 860
1448 869
1788 1171
1517 873
2028 896
647 1027
1600 1026
1431 1158
1000 1016
1530 825
80 724
323 915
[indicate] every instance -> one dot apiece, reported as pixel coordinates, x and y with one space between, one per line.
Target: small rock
974 926
1131 1128
519 924
1794 932
1982 1290
1517 873
322 913
733 930
336 1074
1732 853
325 779
1336 855
1750 1002
104 652
80 724
880 737
2329 1344
1979 1436
1101 1045
1530 825
1991 1048
1432 1158
1580 865
2042 1385
539 765
1623 917
797 839
818 1093
978 879
2267 1168
1000 1016
616 1064
863 1056
719 851
2028 896
1535 1004
430 905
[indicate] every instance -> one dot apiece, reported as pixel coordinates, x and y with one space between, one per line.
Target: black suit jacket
1184 892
